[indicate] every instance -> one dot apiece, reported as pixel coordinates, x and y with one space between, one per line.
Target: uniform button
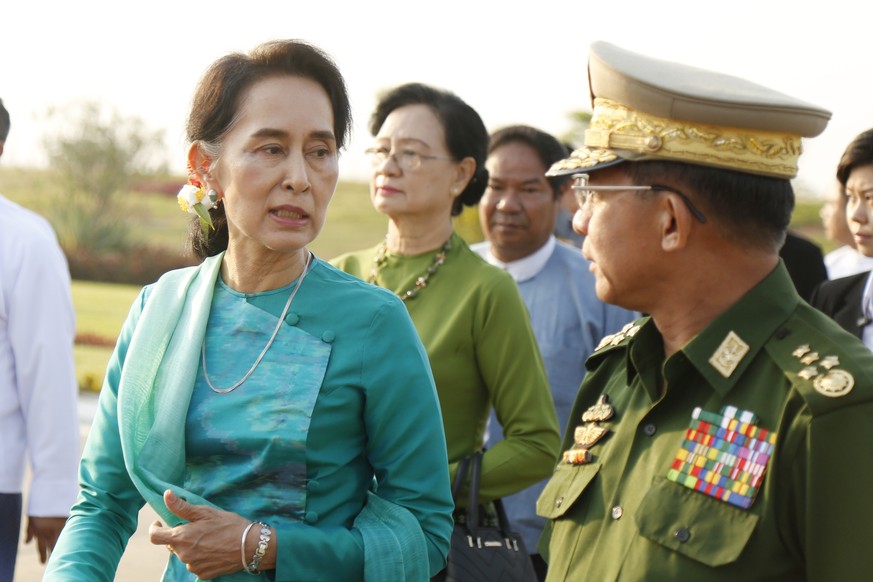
682 535
328 336
617 511
311 517
650 429
559 501
292 318
313 485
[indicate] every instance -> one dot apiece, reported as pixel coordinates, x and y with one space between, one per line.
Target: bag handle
460 477
475 478
473 508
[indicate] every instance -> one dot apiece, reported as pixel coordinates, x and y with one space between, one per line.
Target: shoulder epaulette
619 338
827 373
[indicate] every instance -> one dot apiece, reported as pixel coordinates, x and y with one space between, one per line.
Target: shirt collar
867 312
867 298
527 267
741 331
731 340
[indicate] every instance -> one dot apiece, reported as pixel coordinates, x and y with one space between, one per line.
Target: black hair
548 149
5 123
465 132
221 90
750 209
859 152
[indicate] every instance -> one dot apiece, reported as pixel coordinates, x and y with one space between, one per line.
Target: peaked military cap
651 109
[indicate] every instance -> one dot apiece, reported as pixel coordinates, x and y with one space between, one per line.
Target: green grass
90 366
101 309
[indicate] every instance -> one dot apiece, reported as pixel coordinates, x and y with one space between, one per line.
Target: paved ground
142 562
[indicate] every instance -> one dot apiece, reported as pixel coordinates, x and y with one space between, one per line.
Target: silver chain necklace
266 347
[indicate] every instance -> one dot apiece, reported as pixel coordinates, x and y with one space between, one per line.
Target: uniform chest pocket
693 524
564 488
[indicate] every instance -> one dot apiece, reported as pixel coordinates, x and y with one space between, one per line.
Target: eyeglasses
584 192
408 160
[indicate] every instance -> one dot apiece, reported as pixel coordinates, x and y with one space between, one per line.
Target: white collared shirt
867 309
526 267
38 392
846 261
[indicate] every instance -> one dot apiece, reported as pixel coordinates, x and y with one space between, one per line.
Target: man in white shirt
518 213
38 393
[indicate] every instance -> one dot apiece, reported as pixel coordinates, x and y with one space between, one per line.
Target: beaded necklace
421 282
309 261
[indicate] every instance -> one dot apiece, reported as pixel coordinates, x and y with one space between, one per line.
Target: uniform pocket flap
693 524
564 488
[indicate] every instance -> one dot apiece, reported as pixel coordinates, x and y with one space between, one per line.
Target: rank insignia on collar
724 455
809 358
729 354
808 372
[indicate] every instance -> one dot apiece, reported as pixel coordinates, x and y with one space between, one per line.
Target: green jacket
629 514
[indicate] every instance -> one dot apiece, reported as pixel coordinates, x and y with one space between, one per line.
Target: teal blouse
344 395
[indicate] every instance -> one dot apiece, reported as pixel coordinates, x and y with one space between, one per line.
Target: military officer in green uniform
728 435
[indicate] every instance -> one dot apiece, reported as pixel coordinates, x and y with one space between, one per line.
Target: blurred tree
575 136
96 155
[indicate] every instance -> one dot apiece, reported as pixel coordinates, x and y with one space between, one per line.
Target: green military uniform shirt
633 511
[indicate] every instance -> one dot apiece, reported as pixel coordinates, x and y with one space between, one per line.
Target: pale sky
515 62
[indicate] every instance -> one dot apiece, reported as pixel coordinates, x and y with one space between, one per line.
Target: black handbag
484 551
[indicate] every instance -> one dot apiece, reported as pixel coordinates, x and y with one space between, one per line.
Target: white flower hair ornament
193 199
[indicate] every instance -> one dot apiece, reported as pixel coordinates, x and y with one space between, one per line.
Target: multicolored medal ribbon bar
724 455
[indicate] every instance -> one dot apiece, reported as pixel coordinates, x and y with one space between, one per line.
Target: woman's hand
210 544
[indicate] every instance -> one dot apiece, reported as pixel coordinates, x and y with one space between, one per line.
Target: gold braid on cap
619 131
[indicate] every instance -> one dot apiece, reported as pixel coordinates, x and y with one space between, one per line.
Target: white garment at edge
38 393
846 261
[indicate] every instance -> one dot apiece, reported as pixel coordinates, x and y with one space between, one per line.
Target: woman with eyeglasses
427 163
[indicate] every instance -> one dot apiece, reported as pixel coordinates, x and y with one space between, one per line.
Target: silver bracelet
242 547
261 550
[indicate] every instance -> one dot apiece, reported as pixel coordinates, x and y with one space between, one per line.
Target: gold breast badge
588 434
600 412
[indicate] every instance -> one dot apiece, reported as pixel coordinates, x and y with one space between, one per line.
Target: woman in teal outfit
279 415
